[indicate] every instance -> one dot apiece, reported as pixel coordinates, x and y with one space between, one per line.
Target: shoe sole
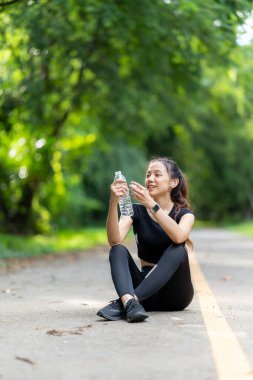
137 318
110 318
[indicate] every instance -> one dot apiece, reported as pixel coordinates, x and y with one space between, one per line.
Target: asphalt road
49 328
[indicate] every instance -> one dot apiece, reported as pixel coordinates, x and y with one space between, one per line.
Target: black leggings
167 286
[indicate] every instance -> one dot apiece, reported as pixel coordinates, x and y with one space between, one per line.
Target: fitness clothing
167 285
151 239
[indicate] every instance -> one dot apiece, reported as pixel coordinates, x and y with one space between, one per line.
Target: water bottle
125 204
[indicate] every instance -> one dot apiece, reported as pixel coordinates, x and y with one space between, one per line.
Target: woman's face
157 179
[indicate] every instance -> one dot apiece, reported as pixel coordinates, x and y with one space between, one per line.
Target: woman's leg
169 281
177 294
125 274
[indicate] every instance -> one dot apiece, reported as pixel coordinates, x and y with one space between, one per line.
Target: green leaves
76 75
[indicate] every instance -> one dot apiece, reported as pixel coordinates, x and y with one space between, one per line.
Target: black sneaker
114 311
134 311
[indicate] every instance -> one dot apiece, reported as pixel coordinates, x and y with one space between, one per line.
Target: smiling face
158 181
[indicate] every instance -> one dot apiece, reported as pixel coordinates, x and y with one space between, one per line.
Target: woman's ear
174 183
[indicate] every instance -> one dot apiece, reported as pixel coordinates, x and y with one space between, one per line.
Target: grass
12 246
205 224
244 228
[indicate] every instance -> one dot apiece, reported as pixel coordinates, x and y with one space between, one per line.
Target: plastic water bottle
125 204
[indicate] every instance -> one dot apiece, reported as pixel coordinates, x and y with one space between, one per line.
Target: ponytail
180 193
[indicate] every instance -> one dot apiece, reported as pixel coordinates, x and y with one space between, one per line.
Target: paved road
49 328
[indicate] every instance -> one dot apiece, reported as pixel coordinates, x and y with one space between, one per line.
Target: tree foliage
79 77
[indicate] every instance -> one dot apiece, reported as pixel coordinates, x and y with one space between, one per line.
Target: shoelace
114 302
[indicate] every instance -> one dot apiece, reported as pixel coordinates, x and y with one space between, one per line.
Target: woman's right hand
118 188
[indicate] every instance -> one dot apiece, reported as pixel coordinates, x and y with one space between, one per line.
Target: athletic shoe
114 311
134 311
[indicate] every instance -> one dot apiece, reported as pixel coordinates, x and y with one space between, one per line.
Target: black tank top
150 238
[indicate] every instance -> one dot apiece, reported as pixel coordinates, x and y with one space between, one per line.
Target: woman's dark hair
180 193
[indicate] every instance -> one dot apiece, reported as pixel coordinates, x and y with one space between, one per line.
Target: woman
162 222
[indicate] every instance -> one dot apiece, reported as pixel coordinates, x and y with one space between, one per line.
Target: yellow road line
230 360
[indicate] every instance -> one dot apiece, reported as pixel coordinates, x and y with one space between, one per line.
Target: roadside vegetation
65 241
12 247
244 228
60 243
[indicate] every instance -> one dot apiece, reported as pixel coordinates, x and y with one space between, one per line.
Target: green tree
77 73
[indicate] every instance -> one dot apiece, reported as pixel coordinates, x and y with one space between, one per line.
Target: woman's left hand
140 193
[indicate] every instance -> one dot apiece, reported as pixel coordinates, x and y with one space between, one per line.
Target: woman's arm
117 230
178 233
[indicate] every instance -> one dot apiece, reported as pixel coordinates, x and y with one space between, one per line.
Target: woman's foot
134 311
114 311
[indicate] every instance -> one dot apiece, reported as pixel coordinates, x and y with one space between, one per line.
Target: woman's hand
140 193
119 188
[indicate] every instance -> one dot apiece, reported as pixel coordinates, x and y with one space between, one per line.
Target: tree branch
6 3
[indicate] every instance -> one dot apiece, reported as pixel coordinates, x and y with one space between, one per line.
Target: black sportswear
167 285
150 238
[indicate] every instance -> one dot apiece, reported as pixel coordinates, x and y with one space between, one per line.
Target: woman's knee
177 251
116 250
